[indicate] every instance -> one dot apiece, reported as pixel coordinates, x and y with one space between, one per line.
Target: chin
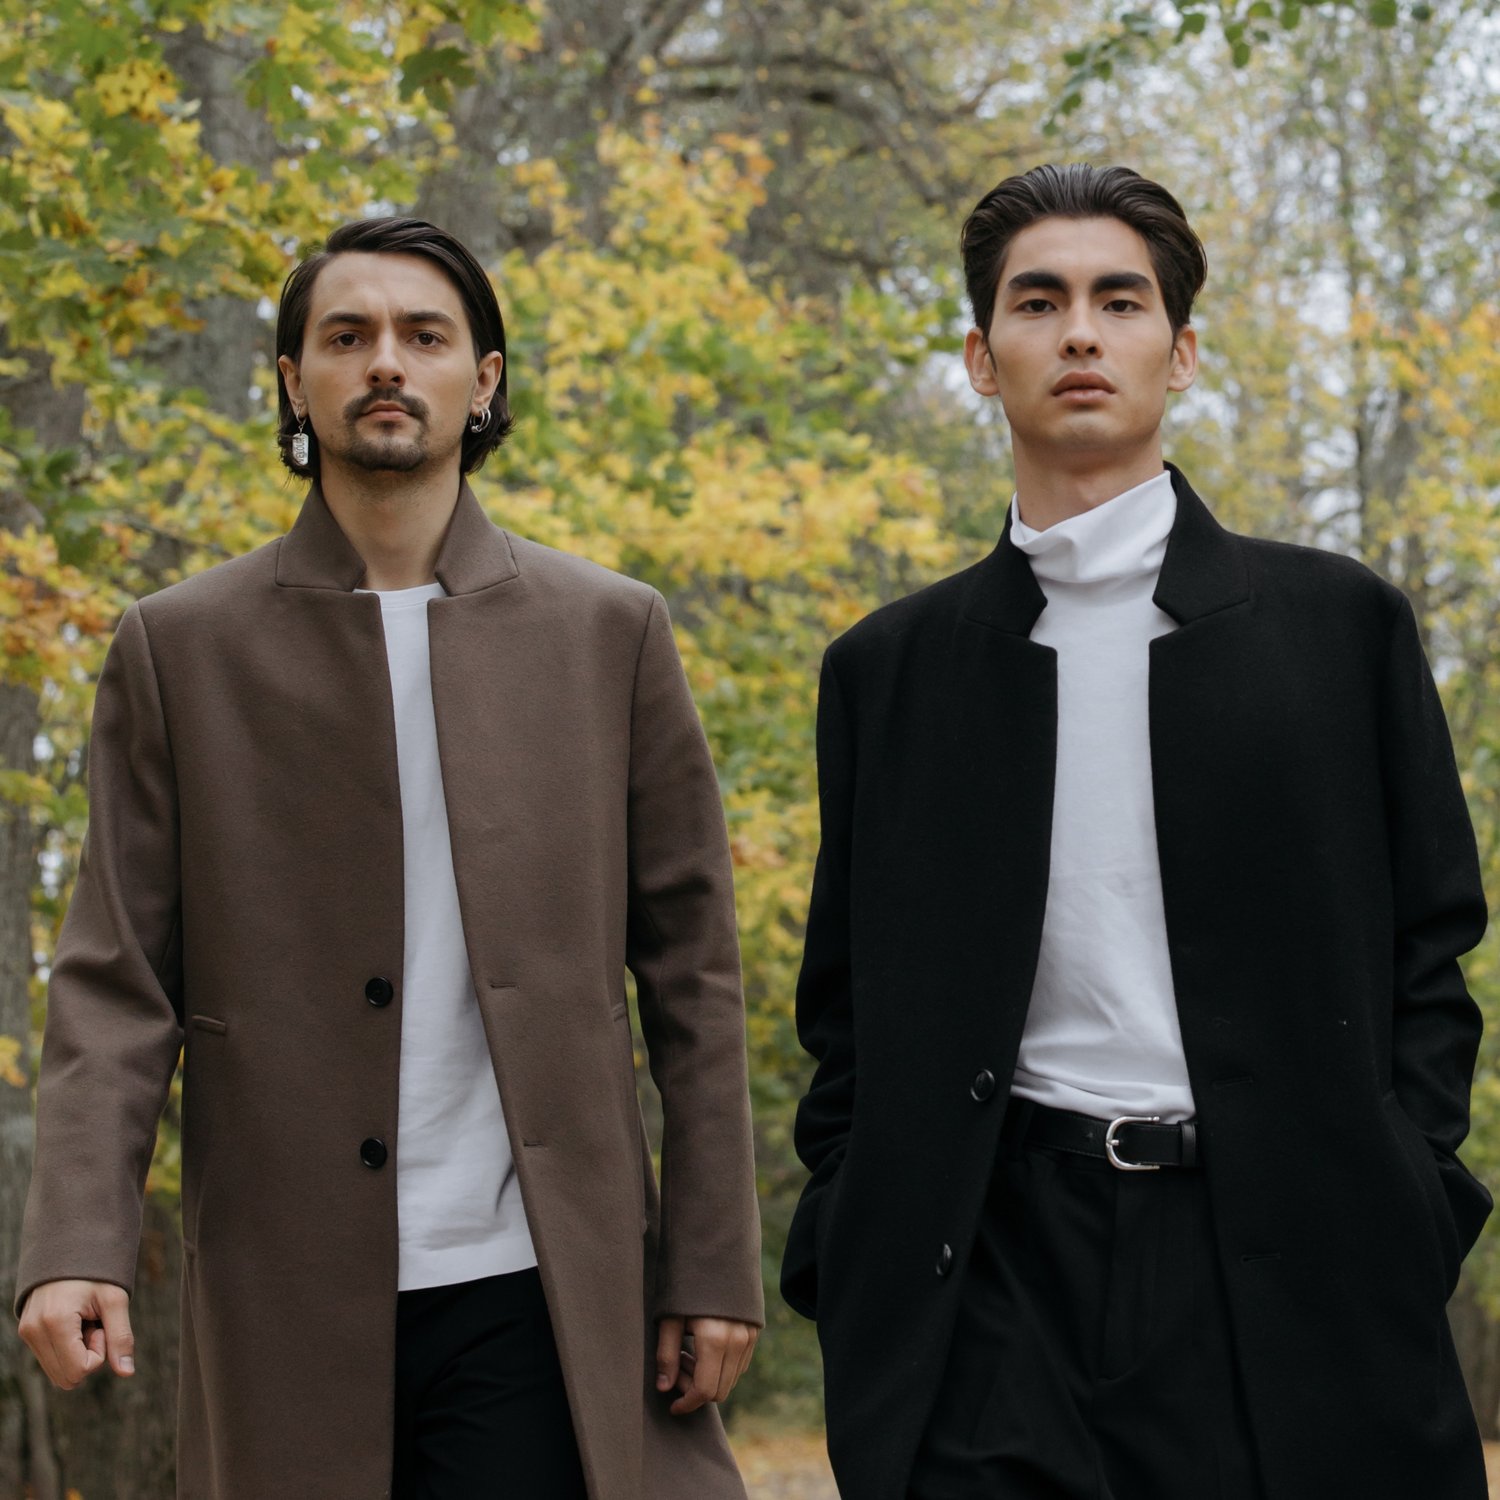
393 457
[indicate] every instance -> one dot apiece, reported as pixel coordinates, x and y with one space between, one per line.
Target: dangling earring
300 443
479 423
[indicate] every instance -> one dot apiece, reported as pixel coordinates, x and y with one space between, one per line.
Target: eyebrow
362 320
1050 281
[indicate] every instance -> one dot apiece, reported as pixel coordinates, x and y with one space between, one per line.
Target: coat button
945 1260
983 1085
372 1152
379 991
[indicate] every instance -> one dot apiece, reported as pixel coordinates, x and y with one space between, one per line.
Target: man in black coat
1143 1051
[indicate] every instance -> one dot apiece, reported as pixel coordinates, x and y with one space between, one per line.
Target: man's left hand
720 1354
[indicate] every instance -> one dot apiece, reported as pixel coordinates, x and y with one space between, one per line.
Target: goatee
389 453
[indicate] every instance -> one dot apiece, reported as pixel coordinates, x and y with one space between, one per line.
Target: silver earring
479 423
300 443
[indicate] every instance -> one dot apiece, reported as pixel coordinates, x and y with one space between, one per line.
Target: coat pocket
201 1065
827 1206
1423 1165
634 1121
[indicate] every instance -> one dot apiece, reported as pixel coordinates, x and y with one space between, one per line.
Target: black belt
1131 1143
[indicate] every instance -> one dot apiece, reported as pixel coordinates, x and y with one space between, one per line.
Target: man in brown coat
379 816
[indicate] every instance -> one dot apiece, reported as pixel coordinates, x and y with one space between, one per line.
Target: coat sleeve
825 1016
682 947
1439 911
113 1030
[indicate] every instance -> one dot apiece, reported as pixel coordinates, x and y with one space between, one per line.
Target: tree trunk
219 358
18 1415
56 418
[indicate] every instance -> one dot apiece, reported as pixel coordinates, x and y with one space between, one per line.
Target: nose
1079 334
385 367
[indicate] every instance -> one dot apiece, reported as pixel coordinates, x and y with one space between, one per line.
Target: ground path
795 1467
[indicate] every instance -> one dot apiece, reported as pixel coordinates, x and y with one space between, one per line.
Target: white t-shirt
1102 1034
458 1200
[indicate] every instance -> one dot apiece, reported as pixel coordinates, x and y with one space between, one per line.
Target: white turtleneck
1102 1034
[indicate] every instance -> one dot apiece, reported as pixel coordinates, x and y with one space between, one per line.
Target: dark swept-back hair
396 236
1081 191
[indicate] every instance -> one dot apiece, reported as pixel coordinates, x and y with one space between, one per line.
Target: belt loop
1190 1143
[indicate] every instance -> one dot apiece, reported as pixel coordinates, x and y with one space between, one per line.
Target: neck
1054 488
396 522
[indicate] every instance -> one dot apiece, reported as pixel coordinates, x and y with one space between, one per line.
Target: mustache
409 404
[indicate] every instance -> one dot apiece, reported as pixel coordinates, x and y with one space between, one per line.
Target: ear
1184 360
487 378
288 367
979 363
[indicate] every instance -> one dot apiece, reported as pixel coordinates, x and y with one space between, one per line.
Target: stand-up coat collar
1201 574
315 553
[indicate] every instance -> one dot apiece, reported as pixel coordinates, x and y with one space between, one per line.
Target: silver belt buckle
1111 1140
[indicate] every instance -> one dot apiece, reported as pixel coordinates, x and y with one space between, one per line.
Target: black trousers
481 1413
1092 1357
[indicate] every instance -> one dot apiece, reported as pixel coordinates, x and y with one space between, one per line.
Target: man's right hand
73 1327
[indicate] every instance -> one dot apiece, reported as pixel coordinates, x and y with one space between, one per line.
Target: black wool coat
1320 881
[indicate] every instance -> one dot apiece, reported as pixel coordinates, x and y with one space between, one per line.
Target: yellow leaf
10 1057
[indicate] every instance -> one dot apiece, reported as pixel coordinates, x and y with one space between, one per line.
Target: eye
339 338
1034 304
427 333
1120 304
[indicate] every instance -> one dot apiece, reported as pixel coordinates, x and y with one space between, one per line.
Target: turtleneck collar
1125 537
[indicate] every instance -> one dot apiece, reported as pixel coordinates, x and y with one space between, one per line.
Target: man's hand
708 1371
74 1326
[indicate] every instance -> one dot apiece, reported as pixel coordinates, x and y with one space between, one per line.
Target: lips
1082 382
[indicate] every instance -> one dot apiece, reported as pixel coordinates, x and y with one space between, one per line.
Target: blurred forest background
724 237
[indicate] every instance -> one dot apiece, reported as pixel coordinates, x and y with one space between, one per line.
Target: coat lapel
1208 736
484 641
1203 571
995 786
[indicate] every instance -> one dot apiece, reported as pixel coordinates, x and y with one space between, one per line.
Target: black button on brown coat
1320 881
242 884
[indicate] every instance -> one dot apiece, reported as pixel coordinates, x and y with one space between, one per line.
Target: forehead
364 282
1077 249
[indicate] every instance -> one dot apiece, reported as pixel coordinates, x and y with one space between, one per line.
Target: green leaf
1291 16
1421 12
1076 58
1260 11
435 71
1241 54
1384 12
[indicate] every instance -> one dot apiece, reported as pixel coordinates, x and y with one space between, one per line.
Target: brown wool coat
241 883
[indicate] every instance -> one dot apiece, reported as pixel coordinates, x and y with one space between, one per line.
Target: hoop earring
480 422
300 443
